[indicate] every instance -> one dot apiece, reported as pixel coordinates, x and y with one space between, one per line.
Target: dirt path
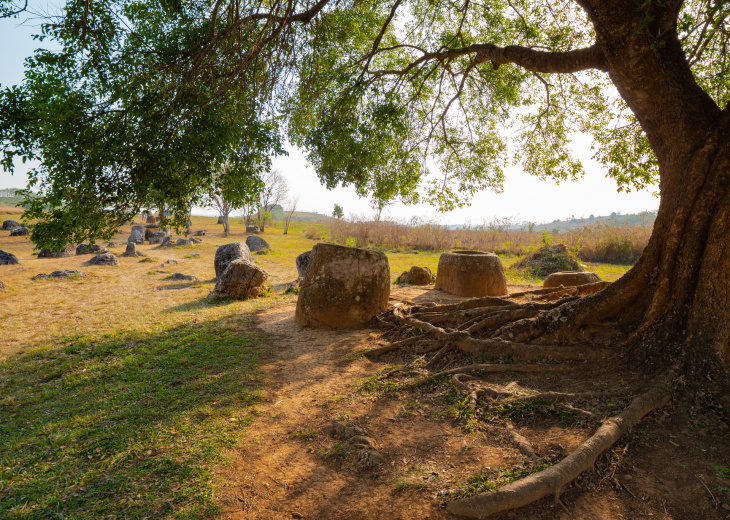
281 472
290 466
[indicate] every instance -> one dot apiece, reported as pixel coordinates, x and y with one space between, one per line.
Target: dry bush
596 243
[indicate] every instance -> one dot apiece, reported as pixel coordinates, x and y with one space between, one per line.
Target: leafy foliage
145 100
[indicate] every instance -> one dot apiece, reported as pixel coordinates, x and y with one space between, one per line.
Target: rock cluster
10 224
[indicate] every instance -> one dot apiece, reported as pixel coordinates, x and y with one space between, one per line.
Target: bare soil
673 466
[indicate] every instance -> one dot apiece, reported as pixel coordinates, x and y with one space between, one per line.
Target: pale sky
525 198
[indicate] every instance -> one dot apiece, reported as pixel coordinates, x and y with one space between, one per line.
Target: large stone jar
471 273
344 287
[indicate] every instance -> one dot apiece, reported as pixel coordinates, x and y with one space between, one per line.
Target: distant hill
614 219
305 216
8 197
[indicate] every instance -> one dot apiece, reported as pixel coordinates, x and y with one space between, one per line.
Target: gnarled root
551 481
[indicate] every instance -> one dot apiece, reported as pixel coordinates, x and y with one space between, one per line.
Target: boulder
416 276
221 220
200 233
167 242
303 262
86 249
69 250
241 280
10 224
255 243
132 250
64 273
158 237
19 231
227 253
151 219
471 273
7 258
183 242
104 259
196 240
166 230
344 287
179 277
137 235
570 279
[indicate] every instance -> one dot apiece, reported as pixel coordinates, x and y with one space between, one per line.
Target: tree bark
677 296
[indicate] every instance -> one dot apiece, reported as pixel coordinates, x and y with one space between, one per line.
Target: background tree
274 191
378 204
291 208
338 212
232 189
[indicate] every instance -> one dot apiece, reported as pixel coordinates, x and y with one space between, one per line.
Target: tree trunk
676 299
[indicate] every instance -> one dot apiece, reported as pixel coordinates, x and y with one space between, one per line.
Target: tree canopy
415 99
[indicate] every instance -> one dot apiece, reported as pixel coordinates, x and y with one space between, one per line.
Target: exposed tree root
551 481
382 350
522 443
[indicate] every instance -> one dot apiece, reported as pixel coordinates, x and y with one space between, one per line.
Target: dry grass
596 243
9 210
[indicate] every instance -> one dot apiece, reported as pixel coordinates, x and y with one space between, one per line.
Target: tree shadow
127 425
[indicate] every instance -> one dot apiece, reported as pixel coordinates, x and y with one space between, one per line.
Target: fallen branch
552 480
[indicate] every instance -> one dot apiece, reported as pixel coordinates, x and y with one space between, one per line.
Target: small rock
7 258
169 261
19 231
200 233
104 259
255 243
64 273
182 277
726 507
10 224
196 240
195 255
86 249
240 280
67 251
303 261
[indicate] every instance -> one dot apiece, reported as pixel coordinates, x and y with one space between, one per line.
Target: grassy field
120 391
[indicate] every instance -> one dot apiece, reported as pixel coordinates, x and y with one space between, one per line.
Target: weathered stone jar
471 274
344 287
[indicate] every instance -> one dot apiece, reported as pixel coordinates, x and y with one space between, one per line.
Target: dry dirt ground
290 466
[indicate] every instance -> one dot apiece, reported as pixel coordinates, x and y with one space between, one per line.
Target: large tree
417 99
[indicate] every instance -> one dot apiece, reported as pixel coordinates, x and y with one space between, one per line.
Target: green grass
484 481
305 434
722 471
127 425
339 450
